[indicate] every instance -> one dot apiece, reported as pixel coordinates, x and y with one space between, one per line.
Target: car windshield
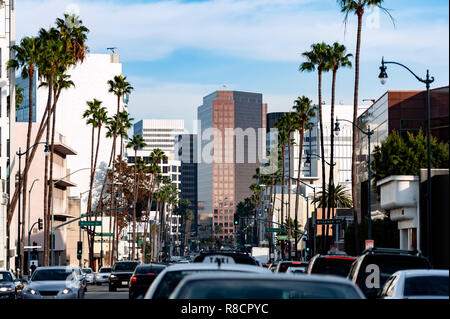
87 270
149 270
339 266
52 274
104 270
426 286
284 266
265 289
171 279
127 266
5 277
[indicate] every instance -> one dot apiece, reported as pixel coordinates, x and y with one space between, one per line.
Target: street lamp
20 154
368 133
428 80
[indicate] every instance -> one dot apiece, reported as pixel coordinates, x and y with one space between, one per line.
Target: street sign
90 223
264 242
247 245
370 243
104 234
282 237
31 247
274 230
328 221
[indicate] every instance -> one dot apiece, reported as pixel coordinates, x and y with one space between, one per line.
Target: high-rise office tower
232 128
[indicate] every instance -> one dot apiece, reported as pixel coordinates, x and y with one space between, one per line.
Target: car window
386 286
284 266
391 289
265 289
142 270
52 274
87 270
332 266
127 266
105 270
5 276
426 286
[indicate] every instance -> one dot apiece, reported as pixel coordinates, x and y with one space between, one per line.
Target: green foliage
19 96
245 208
406 156
385 234
341 197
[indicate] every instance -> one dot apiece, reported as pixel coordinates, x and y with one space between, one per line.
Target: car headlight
5 288
66 291
112 276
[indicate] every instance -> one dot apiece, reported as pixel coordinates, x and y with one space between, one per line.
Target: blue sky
176 52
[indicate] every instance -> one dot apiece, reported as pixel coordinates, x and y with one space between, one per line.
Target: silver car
60 282
102 276
90 275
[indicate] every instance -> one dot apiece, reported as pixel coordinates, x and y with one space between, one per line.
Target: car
167 280
220 285
142 278
89 274
416 284
283 265
227 256
56 282
273 266
102 276
121 273
371 270
296 270
10 286
338 265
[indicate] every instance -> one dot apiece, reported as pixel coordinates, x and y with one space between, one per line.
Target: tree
357 7
187 216
399 155
339 197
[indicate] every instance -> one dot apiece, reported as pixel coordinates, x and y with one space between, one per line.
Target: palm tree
125 123
136 143
357 7
317 58
338 57
339 198
305 112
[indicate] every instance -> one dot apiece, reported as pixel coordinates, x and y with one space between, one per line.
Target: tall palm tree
305 113
338 58
125 123
136 143
340 197
357 7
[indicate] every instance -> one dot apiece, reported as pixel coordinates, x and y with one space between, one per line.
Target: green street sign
282 237
274 230
104 234
90 223
328 221
247 245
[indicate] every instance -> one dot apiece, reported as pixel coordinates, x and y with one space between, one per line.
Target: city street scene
224 149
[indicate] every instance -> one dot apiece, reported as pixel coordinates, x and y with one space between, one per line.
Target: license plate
124 282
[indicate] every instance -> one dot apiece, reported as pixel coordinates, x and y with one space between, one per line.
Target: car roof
151 265
57 267
214 266
422 272
336 256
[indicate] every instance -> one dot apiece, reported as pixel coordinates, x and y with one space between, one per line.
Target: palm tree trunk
89 205
322 149
289 197
282 196
134 204
297 191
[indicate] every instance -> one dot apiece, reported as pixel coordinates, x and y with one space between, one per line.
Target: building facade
232 128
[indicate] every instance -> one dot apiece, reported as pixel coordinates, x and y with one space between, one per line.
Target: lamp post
368 133
79 227
29 215
20 154
428 80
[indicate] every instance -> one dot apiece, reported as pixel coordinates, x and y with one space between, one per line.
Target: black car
337 265
10 287
237 257
371 270
121 273
142 278
283 265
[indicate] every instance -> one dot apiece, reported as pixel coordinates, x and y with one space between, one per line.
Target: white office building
7 111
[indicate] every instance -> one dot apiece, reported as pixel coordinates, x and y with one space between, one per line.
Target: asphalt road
101 292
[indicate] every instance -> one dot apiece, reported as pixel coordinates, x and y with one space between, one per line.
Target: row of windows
178 130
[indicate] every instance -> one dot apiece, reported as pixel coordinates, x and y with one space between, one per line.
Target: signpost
285 237
274 230
90 223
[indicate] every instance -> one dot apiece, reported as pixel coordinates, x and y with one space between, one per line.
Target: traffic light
236 219
79 249
40 223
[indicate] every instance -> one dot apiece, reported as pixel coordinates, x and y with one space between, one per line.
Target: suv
121 274
371 270
337 265
226 256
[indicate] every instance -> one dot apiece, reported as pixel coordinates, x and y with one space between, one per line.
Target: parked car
10 286
142 278
283 265
220 285
416 284
57 282
168 279
102 276
121 273
226 256
371 270
90 275
338 265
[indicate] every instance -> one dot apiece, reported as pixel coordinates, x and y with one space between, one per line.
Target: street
101 292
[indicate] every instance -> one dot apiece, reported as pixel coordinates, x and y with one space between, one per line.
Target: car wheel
112 288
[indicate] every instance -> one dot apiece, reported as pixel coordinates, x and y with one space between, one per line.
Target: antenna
113 49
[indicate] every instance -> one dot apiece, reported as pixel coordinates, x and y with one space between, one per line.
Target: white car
102 276
416 284
222 285
167 280
90 275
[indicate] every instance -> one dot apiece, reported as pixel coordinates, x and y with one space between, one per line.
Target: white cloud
268 30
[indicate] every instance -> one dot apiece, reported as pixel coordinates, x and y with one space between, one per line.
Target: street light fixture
428 80
368 133
20 154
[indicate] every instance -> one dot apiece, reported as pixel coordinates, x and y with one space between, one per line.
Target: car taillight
150 273
133 279
297 263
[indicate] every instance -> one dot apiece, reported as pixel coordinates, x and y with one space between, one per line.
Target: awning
63 149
